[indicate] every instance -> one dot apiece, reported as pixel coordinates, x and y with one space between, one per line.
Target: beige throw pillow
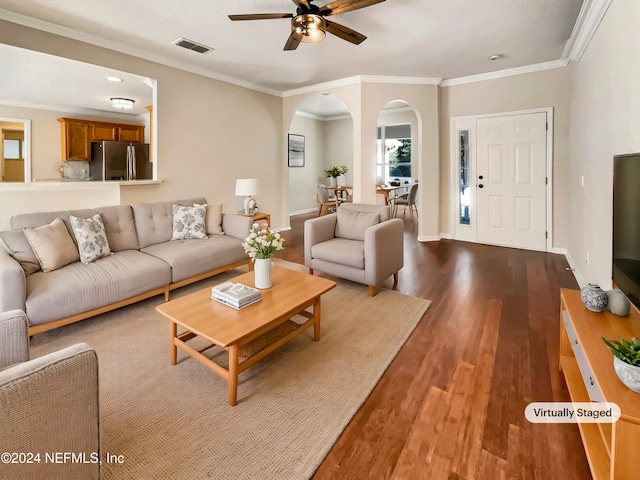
352 224
52 245
213 220
15 242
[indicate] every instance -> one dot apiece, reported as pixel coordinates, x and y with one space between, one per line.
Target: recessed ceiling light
112 78
497 56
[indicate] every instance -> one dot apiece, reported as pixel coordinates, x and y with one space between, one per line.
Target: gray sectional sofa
144 262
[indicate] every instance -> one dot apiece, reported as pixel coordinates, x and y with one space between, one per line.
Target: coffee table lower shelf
244 355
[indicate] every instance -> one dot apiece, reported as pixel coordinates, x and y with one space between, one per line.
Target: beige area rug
174 422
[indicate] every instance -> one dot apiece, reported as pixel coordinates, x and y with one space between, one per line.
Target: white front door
510 179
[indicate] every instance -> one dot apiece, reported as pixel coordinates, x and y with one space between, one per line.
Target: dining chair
409 201
327 202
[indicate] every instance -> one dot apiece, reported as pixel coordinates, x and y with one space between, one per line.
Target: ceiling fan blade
303 4
260 16
345 33
293 41
343 6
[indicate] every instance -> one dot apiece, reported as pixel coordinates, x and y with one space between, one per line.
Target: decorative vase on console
618 303
262 244
594 298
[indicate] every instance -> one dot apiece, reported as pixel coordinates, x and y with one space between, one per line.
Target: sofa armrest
383 250
318 230
14 338
237 226
50 404
13 284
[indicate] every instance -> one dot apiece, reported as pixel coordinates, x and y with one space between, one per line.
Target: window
12 150
394 154
465 201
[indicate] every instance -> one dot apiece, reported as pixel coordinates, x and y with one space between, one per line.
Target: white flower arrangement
262 242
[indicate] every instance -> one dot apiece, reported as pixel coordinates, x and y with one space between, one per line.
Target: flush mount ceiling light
497 56
117 102
112 78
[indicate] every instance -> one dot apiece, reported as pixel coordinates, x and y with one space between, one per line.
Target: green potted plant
335 171
626 361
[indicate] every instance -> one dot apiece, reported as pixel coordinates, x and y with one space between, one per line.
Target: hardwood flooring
451 404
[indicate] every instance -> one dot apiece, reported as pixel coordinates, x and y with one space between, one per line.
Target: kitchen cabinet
74 139
77 135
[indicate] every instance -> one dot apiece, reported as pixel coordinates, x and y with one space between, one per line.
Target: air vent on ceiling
191 45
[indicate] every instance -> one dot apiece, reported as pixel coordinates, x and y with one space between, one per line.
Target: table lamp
245 187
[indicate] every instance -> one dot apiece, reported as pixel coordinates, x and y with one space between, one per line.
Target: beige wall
338 146
605 121
548 88
303 180
209 132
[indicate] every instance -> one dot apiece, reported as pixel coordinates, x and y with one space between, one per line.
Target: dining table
341 191
387 191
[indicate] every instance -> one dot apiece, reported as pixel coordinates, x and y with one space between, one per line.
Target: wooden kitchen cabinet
130 133
74 139
103 131
77 135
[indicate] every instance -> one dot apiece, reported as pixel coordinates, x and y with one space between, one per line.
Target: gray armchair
360 243
47 405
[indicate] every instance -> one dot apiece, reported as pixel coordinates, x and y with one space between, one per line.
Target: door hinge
546 180
546 235
547 126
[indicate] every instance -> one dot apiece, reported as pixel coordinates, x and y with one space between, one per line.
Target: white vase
333 181
262 272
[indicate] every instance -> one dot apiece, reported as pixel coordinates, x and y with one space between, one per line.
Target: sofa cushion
90 237
351 224
117 220
52 245
77 288
154 221
193 257
341 251
188 223
16 244
213 220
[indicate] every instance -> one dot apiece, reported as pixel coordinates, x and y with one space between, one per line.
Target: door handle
480 177
481 186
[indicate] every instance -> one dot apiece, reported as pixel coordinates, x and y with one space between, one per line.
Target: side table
256 217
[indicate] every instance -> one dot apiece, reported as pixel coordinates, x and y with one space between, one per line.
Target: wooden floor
451 404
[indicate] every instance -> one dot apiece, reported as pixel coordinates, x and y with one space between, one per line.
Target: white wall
605 121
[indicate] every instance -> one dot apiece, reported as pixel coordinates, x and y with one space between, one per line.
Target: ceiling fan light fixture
311 26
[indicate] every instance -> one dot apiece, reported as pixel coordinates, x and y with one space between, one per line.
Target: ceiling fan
309 25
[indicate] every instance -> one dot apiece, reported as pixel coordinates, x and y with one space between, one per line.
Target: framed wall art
296 150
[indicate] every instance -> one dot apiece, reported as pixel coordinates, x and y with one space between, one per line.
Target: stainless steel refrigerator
120 161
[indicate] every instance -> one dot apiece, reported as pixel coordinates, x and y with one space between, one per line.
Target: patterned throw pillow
188 223
91 238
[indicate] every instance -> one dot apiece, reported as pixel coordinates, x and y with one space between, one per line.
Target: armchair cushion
341 251
351 224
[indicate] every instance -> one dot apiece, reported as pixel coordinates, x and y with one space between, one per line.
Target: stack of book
235 295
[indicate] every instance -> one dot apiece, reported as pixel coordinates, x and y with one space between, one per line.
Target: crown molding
359 79
128 50
538 67
591 14
403 80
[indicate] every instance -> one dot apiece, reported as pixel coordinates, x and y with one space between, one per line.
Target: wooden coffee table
249 334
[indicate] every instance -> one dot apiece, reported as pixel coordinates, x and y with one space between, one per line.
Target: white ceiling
406 38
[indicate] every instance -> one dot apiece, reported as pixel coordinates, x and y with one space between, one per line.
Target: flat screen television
626 225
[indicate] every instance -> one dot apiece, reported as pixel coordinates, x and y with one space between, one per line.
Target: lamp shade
246 186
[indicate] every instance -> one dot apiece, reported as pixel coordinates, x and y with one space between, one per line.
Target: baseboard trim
302 212
434 238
